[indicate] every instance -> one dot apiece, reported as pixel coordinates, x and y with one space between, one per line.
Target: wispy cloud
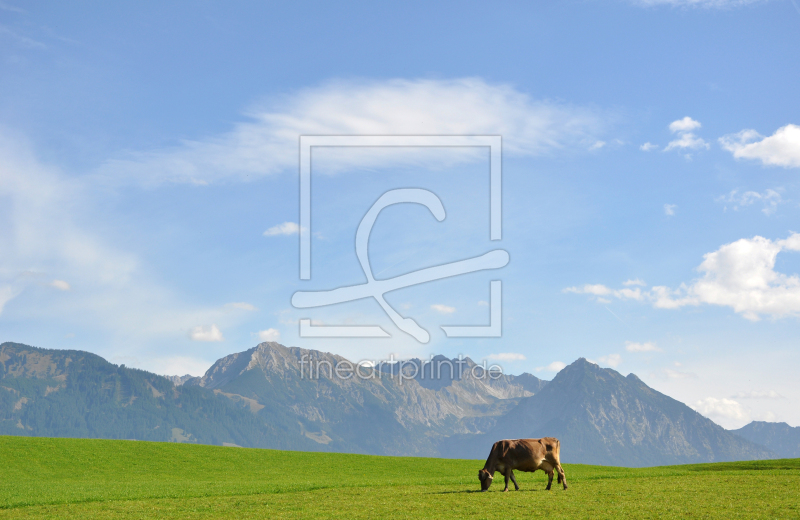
443 309
669 209
769 199
648 346
61 285
268 142
287 228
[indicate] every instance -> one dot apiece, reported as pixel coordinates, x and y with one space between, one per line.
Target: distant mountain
271 396
179 380
779 437
389 409
69 393
602 417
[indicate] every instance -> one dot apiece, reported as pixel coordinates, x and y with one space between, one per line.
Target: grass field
81 478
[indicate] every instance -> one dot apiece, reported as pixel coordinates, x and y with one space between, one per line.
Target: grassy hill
89 478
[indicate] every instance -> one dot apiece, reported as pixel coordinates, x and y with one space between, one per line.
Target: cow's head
485 478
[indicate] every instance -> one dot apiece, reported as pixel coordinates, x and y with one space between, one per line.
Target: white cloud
780 149
646 147
268 143
7 294
61 285
648 346
555 366
443 309
602 290
687 124
483 303
740 275
612 360
269 335
201 333
669 209
506 356
756 394
721 408
287 228
769 199
686 139
597 145
634 281
244 306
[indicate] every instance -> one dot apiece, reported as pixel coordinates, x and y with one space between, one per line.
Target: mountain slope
69 393
602 417
371 411
778 437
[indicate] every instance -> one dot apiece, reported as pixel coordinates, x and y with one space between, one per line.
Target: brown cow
524 455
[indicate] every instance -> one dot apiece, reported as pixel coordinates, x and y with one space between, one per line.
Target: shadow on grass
479 491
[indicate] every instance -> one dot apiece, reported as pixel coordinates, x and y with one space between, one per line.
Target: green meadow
86 478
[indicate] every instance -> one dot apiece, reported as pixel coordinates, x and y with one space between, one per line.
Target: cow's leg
549 480
514 480
561 477
507 474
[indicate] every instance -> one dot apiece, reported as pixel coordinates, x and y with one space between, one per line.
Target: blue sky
651 152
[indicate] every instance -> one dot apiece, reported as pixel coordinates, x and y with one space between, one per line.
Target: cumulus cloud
201 333
269 335
443 309
740 275
646 147
61 285
506 356
267 143
686 139
555 366
769 199
669 209
287 228
687 124
612 360
721 408
780 149
648 346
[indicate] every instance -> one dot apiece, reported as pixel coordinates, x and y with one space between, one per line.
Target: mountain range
271 396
